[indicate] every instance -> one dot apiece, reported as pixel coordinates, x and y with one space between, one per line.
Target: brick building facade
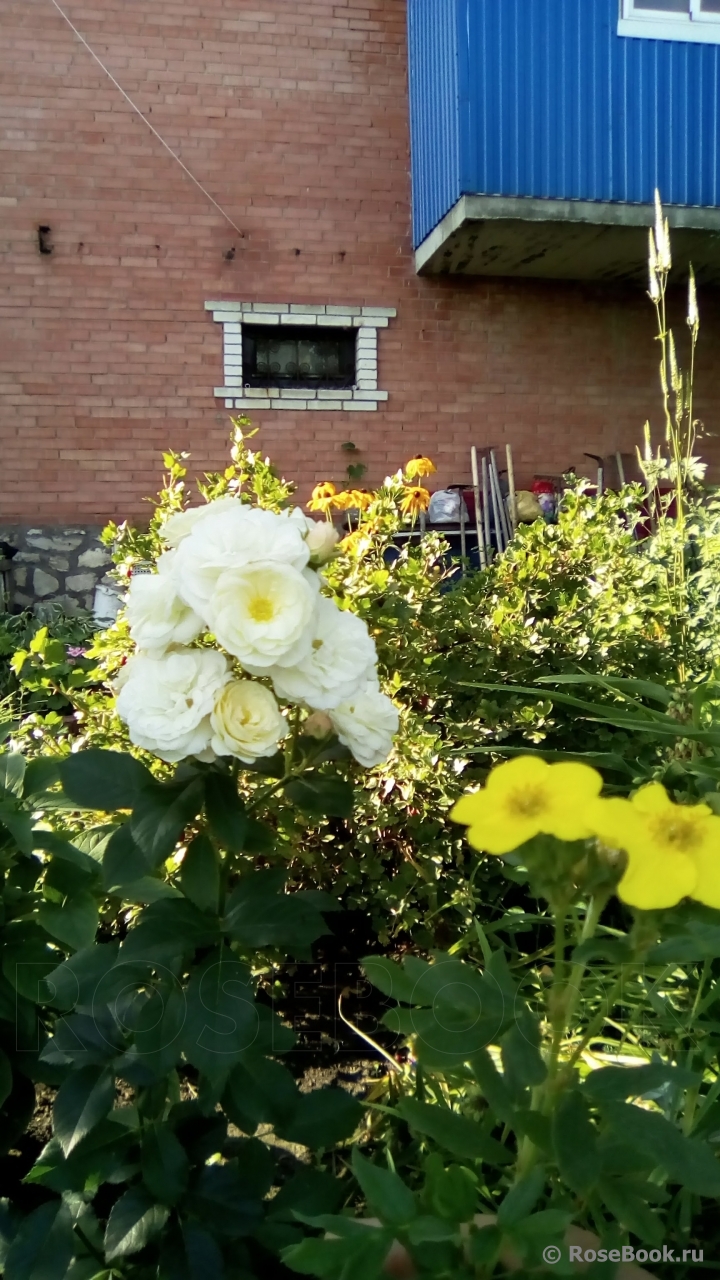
294 116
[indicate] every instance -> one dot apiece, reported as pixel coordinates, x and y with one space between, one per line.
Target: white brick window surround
363 396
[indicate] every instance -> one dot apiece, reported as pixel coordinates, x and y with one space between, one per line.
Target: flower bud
322 539
318 725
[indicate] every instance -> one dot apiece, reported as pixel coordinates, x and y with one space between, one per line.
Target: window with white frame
693 20
285 355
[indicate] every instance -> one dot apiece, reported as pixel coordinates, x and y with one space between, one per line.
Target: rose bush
236 578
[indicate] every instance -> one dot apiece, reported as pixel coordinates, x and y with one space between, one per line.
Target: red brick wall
293 113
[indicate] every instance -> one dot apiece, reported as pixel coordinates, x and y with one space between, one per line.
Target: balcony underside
564 240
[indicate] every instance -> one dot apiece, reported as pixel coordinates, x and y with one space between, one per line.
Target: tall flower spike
675 376
653 267
662 236
648 442
693 315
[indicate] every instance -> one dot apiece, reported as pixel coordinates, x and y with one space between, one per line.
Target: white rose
263 614
234 539
367 725
166 702
182 523
336 666
322 539
246 721
156 614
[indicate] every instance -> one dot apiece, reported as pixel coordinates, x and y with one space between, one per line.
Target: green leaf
698 940
575 1142
322 1118
165 1166
190 1254
618 1083
631 1211
156 1045
451 1190
522 1198
103 1156
167 930
123 860
484 1244
386 1194
19 825
27 958
493 1087
453 1132
40 775
225 812
64 850
134 1220
688 1161
160 815
78 981
260 915
97 779
44 1245
310 1192
83 1101
322 795
260 1091
390 978
520 1048
200 874
224 1202
74 922
12 772
623 684
360 1257
222 1021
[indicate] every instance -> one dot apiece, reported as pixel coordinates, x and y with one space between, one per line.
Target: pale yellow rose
246 722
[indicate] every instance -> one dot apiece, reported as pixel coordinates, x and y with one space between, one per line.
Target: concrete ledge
564 240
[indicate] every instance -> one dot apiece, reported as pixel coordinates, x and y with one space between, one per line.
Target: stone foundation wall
56 563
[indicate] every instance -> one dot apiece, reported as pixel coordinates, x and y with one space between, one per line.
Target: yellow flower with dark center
415 500
419 466
322 497
527 797
673 850
361 499
343 501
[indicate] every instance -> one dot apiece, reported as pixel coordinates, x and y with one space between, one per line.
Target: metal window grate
296 356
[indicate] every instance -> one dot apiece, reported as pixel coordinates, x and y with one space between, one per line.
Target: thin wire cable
144 118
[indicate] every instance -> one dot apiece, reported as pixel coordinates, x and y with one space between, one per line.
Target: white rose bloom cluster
246 577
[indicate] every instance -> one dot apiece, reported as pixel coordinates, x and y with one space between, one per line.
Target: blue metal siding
544 99
434 94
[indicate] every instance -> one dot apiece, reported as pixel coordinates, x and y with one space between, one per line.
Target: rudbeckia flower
322 498
527 797
673 850
361 499
420 466
415 500
343 501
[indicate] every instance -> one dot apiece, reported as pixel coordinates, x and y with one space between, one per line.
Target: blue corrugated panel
543 98
435 124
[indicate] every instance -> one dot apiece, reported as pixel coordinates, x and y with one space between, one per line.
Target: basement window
298 357
697 21
294 355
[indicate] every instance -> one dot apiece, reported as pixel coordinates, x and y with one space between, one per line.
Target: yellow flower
343 501
419 466
322 497
526 797
416 499
361 499
673 850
